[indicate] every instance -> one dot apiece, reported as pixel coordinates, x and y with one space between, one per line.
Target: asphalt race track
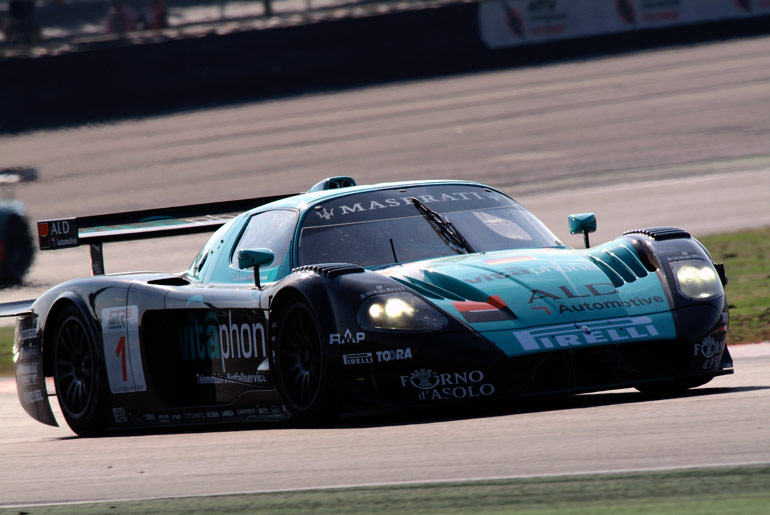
670 137
724 422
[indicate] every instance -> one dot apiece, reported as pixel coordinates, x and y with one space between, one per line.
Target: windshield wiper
444 226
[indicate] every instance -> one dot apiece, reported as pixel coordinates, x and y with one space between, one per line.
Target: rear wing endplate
96 230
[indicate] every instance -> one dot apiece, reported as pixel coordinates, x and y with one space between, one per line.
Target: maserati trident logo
326 214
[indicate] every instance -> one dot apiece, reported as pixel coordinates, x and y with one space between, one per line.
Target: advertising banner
507 23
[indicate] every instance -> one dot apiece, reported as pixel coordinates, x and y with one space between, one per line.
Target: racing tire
672 387
300 364
16 249
78 375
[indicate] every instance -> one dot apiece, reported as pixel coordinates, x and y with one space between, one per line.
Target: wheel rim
75 368
300 357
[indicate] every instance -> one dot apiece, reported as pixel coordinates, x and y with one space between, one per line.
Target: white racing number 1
122 355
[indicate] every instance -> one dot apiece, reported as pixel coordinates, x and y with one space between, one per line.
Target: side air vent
330 270
616 278
619 262
660 233
170 281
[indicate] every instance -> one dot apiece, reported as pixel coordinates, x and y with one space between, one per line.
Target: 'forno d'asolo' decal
615 330
122 355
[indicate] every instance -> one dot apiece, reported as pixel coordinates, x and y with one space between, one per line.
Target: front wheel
300 365
78 376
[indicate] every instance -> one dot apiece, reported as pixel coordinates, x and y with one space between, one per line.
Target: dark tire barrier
16 250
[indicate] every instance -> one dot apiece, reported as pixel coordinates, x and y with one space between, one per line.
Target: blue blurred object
16 249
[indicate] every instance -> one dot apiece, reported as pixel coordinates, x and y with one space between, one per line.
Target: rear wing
96 230
16 308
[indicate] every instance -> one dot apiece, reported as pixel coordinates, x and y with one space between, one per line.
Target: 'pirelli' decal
615 330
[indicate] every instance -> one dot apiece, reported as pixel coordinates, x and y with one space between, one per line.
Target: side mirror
583 222
254 259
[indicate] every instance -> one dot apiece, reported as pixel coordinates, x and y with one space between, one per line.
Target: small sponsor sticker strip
380 356
266 412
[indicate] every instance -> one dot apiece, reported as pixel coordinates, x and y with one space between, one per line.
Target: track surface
675 137
724 422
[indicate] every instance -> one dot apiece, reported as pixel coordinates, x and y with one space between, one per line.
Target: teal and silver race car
358 299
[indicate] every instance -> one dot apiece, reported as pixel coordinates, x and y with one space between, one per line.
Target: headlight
399 312
696 279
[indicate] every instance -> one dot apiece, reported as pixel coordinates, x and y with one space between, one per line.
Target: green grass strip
6 351
719 490
746 256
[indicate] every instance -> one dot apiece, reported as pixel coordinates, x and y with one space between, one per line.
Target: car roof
303 201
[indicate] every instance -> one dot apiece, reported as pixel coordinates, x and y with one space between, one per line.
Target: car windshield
384 227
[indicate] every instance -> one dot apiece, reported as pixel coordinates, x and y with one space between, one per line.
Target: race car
354 299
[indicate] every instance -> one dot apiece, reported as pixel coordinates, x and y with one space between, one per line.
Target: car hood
553 289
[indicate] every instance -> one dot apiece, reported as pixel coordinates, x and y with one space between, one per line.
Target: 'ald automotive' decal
57 234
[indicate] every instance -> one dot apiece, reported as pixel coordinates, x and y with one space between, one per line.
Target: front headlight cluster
399 312
696 279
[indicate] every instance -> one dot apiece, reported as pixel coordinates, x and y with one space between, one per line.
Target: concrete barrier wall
122 79
126 78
